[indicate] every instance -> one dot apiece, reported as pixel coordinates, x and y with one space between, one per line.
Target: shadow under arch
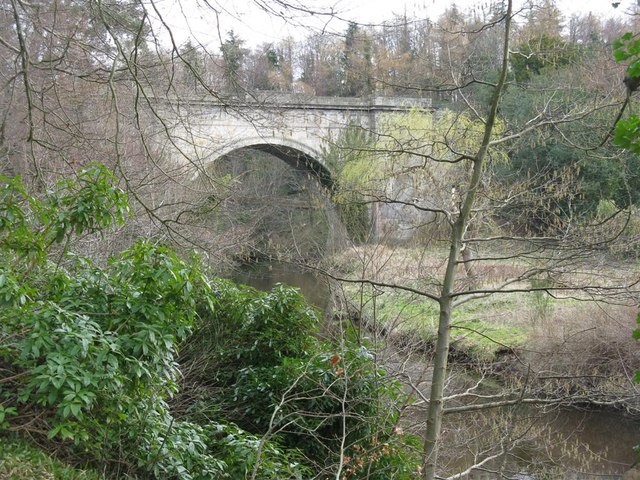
293 153
302 158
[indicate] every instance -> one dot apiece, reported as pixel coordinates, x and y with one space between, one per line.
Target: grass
481 329
483 341
21 461
576 335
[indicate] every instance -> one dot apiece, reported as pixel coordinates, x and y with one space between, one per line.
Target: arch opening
276 198
297 159
295 154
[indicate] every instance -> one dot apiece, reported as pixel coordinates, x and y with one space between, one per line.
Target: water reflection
564 444
263 275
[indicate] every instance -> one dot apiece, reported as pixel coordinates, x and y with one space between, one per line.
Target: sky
258 21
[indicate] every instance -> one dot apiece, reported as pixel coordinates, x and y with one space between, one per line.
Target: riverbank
536 359
395 291
555 369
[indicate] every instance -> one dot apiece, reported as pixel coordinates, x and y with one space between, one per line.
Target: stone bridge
289 126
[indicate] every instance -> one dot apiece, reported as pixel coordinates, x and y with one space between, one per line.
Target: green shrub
89 355
272 376
273 325
90 352
239 450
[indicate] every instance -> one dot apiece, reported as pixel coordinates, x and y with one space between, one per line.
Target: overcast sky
257 21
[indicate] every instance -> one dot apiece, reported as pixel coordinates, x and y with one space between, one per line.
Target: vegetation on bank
21 461
482 331
145 367
586 343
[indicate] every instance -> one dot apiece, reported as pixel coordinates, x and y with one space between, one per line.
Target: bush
88 353
273 377
89 357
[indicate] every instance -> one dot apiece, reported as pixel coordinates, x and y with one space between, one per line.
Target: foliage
408 142
239 451
270 327
86 204
418 136
636 335
90 354
551 171
92 349
233 53
627 47
562 171
627 132
541 53
350 147
356 62
415 162
272 376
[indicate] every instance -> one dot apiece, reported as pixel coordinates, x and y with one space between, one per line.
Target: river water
263 275
551 443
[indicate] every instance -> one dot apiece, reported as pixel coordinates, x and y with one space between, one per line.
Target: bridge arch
295 154
300 158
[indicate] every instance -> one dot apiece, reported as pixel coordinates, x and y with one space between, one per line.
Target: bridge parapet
208 128
280 100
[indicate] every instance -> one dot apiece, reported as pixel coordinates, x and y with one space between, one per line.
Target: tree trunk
447 294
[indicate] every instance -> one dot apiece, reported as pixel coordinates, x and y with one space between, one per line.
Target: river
566 444
263 275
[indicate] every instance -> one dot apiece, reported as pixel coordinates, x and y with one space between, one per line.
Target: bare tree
94 81
484 256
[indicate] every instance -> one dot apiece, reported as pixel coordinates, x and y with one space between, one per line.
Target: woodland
479 259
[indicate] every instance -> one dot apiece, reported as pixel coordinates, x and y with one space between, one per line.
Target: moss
21 461
477 329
